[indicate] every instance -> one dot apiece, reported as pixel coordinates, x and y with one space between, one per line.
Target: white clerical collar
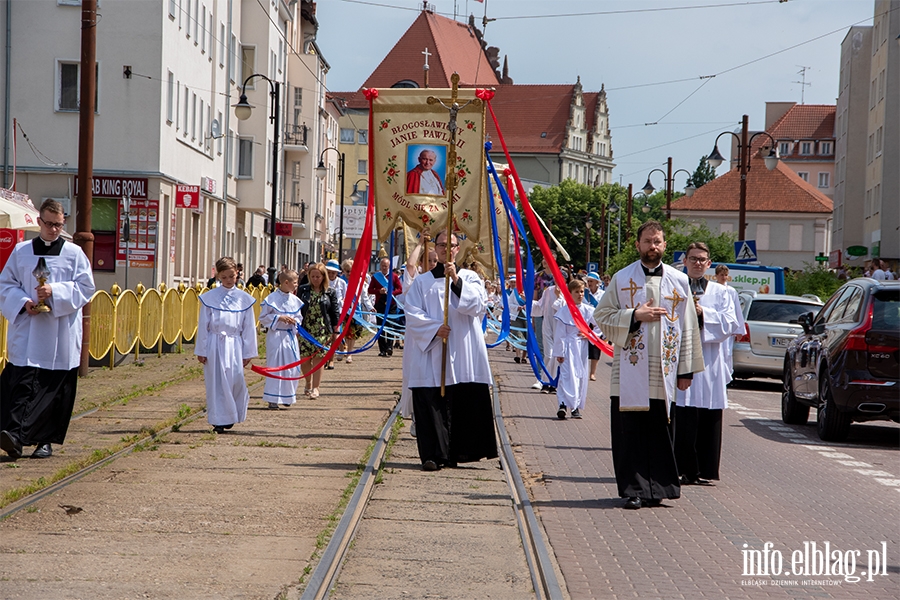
46 243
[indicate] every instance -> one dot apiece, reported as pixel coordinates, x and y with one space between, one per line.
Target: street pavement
779 484
238 515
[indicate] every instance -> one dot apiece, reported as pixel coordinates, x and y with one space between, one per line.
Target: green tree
813 279
704 174
679 234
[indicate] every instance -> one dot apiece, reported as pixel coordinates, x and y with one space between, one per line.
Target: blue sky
633 49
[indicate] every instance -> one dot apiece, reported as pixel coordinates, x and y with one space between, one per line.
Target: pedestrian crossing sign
745 251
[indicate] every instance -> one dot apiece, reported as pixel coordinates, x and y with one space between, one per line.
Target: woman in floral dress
320 318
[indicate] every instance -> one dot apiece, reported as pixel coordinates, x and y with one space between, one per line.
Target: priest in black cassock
37 386
458 426
648 315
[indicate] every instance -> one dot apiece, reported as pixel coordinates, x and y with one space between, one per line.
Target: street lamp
359 194
242 111
716 159
689 189
613 208
587 235
321 171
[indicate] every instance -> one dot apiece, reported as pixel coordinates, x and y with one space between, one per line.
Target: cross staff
454 108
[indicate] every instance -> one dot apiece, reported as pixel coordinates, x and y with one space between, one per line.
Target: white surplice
720 323
548 324
49 340
467 359
570 344
736 299
281 344
406 400
226 335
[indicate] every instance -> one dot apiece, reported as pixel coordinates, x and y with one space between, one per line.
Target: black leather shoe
218 429
651 501
429 465
10 445
633 503
42 451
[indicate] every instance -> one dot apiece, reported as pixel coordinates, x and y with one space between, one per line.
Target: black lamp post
670 184
242 111
715 159
321 171
587 236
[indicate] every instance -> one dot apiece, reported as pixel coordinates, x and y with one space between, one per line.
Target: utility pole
83 236
744 166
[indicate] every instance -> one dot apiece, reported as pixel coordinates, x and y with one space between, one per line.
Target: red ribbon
484 94
370 94
545 247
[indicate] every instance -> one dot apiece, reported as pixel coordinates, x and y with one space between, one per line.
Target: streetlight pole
242 111
745 140
587 234
689 189
321 171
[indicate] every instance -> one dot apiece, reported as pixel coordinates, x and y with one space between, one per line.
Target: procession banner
410 142
480 249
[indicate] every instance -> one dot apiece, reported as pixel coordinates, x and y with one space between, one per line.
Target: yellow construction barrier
125 321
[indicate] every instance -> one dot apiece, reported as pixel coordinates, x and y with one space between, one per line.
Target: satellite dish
214 129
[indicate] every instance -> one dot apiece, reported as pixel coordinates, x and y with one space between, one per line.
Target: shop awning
17 211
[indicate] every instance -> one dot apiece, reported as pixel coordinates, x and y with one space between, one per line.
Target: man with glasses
698 409
38 384
647 315
457 426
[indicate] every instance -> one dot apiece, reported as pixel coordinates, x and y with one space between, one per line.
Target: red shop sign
187 196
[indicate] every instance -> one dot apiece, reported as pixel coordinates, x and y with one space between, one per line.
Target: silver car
771 324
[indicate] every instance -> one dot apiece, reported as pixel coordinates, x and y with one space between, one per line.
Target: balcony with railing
295 138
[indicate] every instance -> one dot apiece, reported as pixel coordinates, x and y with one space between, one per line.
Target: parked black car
846 362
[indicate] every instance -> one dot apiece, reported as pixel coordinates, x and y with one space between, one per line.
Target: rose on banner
410 148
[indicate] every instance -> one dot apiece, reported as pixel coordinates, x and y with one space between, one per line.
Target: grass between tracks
124 398
334 518
145 432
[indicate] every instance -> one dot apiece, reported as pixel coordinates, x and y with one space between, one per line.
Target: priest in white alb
698 410
38 384
648 317
458 426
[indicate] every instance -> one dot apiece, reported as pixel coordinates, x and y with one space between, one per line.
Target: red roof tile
532 117
779 190
453 47
805 122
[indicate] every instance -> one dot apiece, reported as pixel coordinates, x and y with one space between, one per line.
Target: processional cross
452 105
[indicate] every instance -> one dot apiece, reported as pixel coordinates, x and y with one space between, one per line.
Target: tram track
543 576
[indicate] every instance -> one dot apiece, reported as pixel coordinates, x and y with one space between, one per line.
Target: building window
348 136
187 30
804 176
231 51
762 236
221 44
879 140
825 148
173 9
823 180
221 137
784 148
361 167
170 98
203 32
245 158
363 136
228 152
68 93
248 64
795 238
806 148
193 116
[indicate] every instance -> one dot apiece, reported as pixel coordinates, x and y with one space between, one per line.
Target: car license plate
780 342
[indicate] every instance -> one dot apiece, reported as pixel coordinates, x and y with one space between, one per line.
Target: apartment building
197 181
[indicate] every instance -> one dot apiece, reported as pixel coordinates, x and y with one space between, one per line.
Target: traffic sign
745 251
821 259
678 257
593 267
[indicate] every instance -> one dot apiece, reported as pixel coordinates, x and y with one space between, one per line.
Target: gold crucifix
452 104
676 299
633 288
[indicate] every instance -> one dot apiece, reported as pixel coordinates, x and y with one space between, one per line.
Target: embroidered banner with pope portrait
410 141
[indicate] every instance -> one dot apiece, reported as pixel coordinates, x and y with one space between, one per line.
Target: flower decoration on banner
466 216
470 125
384 124
484 94
426 219
370 93
391 169
461 171
387 215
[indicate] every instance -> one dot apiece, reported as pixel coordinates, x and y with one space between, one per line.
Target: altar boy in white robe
280 312
458 426
38 384
645 316
224 345
570 348
698 410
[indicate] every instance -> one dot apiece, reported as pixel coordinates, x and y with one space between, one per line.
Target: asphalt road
782 490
